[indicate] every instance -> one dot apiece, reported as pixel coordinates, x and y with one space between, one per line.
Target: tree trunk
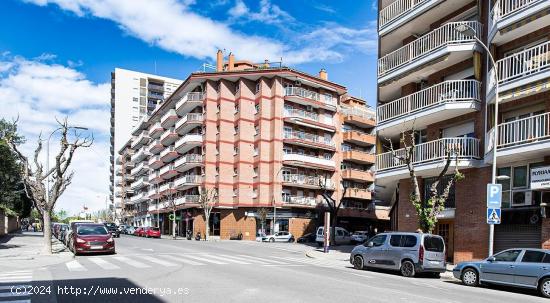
334 219
47 250
207 229
174 225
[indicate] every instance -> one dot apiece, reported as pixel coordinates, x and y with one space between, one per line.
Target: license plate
96 247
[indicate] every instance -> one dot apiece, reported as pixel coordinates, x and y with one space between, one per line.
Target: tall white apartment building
134 95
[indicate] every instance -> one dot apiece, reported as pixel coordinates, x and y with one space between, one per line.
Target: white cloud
334 36
37 91
269 13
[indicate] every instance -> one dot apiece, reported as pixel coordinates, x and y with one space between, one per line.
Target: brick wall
300 226
199 223
12 224
407 220
234 221
545 233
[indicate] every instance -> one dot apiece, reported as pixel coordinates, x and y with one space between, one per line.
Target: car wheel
470 277
407 269
544 287
358 262
271 240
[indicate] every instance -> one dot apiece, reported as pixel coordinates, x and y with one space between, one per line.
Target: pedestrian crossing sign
493 215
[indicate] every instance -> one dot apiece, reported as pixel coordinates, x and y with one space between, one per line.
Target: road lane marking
246 259
206 260
75 266
224 259
19 301
283 265
182 260
131 262
104 263
157 261
263 259
15 279
15 293
14 286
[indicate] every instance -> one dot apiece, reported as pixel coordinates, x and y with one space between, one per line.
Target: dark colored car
138 232
113 229
91 238
63 229
307 238
151 232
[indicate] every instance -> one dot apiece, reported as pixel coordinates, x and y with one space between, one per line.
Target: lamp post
48 158
468 30
274 203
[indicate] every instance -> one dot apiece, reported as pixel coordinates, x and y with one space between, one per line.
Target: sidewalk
334 255
23 251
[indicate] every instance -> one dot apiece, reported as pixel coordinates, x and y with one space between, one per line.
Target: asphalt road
165 270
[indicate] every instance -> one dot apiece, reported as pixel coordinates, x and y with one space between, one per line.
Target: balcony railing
503 8
190 158
307 180
461 148
190 118
439 37
524 130
396 9
187 199
309 138
165 169
524 63
189 97
189 179
142 166
354 111
296 157
168 150
305 93
445 92
310 201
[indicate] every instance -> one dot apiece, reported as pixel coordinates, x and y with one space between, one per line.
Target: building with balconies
436 80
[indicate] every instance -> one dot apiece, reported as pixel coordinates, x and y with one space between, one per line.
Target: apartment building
435 77
134 95
266 137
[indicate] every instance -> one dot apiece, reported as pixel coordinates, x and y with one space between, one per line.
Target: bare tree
208 197
172 205
428 210
34 175
333 204
262 213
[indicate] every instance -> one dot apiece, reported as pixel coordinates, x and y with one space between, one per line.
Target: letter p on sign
494 195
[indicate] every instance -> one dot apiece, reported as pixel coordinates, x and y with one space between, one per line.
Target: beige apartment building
435 77
266 137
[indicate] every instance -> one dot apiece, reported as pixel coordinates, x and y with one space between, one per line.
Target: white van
342 236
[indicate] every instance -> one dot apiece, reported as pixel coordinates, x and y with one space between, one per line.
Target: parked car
138 232
63 228
281 236
359 236
113 229
55 229
307 238
69 237
342 236
129 230
409 253
518 267
151 232
91 238
260 236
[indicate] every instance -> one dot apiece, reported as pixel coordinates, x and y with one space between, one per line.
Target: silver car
409 253
521 267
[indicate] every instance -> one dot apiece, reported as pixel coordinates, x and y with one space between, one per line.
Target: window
256 130
255 151
257 108
237 87
533 256
378 240
408 241
328 156
236 108
217 171
520 176
235 171
218 107
258 85
236 130
135 99
506 188
432 243
255 172
395 240
235 192
235 150
507 256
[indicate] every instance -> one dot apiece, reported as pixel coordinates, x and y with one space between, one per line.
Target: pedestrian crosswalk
194 259
15 286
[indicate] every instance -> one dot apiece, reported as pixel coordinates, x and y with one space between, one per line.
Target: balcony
359 138
310 98
155 162
168 171
140 156
357 175
308 140
138 198
154 193
301 160
187 182
167 189
188 122
302 201
506 14
140 169
358 156
358 117
436 50
155 178
156 130
188 102
156 87
156 147
309 119
169 154
142 139
169 119
139 183
188 162
305 181
170 136
358 193
434 104
523 139
188 142
519 70
187 199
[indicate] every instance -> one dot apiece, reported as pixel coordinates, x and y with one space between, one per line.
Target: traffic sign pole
494 202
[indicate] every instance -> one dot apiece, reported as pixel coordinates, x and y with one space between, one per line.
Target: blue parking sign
493 215
494 195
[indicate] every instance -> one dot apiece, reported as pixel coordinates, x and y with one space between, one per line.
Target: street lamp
470 31
48 158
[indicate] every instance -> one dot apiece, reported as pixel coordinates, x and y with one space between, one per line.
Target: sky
56 57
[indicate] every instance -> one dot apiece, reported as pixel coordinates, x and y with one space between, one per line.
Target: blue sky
56 55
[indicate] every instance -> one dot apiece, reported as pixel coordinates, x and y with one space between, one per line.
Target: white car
282 236
341 237
359 236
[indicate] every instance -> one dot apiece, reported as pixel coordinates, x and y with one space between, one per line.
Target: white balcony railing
167 151
187 180
166 169
187 199
445 92
439 37
524 63
156 130
189 97
307 180
142 166
137 198
190 158
308 137
396 9
190 118
305 93
526 130
143 138
503 8
436 150
307 159
310 201
140 182
355 111
188 139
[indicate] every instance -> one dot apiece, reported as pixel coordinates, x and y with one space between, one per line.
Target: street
164 270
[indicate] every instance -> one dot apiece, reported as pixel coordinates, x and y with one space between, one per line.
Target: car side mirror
491 259
370 244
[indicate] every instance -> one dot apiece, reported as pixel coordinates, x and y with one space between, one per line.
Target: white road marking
75 266
15 279
131 262
262 259
225 259
245 259
14 286
157 261
18 293
104 263
205 260
19 301
182 260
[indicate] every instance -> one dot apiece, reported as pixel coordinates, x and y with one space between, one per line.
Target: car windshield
432 243
155 229
91 230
